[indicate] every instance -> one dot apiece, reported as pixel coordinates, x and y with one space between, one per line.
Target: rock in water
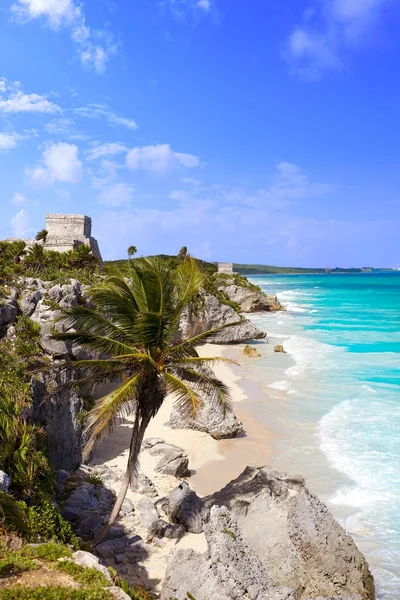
279 348
250 351
295 536
229 570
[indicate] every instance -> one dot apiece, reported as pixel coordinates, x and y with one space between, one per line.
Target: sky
255 131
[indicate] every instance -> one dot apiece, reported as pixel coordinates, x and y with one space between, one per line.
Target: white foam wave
280 385
309 354
293 307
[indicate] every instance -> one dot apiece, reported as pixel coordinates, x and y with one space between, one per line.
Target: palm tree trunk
138 432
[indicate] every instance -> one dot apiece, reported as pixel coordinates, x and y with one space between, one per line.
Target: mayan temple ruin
68 232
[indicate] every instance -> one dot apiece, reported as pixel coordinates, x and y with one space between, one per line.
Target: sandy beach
213 462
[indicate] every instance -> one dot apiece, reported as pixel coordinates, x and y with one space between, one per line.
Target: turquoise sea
339 408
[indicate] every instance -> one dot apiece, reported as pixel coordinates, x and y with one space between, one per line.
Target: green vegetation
270 270
93 585
54 593
231 533
134 322
18 261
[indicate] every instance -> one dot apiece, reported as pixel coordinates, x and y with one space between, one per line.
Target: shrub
45 523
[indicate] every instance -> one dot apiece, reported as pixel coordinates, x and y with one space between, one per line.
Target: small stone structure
68 232
225 268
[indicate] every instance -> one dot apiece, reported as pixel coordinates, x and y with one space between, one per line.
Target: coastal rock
215 314
279 348
5 482
250 351
173 462
58 413
8 313
296 538
211 417
185 507
29 301
251 300
229 570
88 560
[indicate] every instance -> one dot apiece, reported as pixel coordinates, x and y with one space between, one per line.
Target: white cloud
318 44
19 199
60 163
181 9
159 159
14 100
8 140
95 47
179 195
20 224
101 111
204 4
290 182
100 150
117 195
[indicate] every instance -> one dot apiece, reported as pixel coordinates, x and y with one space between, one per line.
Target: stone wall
225 268
69 226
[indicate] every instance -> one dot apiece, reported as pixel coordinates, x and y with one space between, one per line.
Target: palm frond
95 342
204 359
103 416
186 347
189 278
215 390
187 400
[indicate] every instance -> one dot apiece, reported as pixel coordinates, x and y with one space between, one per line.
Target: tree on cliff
133 326
132 250
183 252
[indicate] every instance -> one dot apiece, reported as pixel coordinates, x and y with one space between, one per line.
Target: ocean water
337 402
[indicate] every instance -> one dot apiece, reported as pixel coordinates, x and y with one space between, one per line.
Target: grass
50 552
54 593
14 563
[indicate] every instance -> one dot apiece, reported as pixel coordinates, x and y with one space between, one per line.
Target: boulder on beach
279 348
250 351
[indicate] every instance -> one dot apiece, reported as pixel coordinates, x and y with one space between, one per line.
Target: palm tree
132 250
42 235
183 252
83 258
36 259
134 323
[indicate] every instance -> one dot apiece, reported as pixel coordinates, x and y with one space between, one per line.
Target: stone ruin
68 232
225 268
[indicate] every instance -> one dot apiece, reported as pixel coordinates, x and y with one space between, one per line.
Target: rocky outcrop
173 460
279 348
294 535
251 300
229 570
209 418
183 506
56 407
213 314
250 351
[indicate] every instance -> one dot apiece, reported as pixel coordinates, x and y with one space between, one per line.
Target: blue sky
248 130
